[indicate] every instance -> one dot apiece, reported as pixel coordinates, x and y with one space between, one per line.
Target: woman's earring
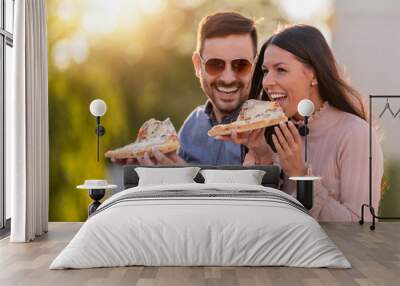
314 82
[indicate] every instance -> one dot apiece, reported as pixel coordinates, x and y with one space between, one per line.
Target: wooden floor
374 255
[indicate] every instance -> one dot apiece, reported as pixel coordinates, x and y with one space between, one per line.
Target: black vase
305 193
96 195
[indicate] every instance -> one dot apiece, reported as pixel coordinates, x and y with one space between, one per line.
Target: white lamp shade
98 107
305 107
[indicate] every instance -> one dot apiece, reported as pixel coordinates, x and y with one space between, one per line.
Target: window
6 62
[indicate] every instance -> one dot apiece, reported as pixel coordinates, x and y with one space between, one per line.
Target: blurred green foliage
390 200
141 71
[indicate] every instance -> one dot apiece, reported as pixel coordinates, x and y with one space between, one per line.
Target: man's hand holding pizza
159 158
156 144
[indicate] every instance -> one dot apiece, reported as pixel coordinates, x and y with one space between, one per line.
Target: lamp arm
97 136
305 140
100 131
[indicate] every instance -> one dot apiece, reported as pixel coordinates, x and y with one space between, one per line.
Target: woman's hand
251 159
255 141
288 144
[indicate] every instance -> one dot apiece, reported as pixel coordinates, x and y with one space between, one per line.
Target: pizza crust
129 153
247 121
227 129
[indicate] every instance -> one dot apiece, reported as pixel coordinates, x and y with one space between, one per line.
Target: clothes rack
369 205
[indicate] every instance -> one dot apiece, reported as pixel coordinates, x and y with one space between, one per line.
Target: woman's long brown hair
310 47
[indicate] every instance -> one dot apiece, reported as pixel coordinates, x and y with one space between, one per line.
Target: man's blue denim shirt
197 148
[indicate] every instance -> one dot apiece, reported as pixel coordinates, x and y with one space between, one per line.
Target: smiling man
226 48
223 60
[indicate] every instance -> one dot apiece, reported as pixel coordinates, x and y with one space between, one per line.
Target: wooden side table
97 190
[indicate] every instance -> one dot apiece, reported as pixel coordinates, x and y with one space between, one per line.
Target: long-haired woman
296 63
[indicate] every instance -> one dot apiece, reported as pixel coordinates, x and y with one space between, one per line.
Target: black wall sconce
98 108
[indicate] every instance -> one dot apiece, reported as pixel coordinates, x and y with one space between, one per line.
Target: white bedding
183 231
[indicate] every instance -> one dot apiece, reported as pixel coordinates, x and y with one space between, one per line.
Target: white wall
366 41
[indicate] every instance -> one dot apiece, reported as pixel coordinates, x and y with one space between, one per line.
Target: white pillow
249 177
162 176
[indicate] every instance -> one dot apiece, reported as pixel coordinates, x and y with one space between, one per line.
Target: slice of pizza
153 133
254 114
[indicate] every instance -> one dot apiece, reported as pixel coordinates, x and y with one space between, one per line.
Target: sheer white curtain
27 124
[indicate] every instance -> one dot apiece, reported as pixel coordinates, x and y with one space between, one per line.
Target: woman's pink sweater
338 152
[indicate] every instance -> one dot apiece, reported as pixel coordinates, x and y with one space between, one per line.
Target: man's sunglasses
213 66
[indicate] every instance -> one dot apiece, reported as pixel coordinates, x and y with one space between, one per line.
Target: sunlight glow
65 10
313 12
99 17
105 16
74 49
79 48
60 55
151 7
306 9
190 3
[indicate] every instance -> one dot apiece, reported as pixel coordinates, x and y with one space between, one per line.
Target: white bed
224 225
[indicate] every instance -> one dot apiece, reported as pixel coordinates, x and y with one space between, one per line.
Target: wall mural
137 57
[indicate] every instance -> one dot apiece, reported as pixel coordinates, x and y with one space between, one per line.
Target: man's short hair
223 24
